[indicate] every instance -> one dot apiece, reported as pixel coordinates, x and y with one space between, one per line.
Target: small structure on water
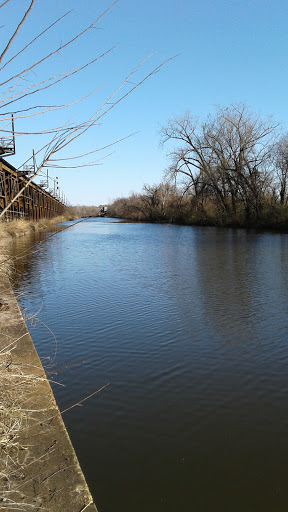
103 211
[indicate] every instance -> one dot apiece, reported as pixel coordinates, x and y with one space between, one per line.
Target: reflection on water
189 327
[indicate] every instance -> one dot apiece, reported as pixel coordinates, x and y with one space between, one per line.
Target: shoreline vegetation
171 208
231 169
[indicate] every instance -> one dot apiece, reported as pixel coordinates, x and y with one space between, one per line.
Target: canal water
189 327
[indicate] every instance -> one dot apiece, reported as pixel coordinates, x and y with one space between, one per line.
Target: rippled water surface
189 326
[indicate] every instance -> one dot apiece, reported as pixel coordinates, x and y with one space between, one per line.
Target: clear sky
229 51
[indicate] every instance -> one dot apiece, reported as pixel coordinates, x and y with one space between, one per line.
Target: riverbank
38 465
166 204
18 228
279 225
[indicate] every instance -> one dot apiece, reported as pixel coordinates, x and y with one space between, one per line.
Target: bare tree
22 95
157 201
229 155
280 155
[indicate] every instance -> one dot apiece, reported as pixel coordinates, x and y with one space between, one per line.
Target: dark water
189 326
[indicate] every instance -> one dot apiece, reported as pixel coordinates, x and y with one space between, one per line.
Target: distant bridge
34 203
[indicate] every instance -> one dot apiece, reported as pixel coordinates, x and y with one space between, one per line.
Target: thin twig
83 399
16 31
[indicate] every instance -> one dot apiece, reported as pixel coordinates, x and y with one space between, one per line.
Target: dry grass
18 415
21 227
26 430
17 228
12 419
16 388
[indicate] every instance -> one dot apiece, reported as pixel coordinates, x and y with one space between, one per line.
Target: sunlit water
189 326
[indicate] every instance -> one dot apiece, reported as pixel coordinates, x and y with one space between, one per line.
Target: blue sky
229 51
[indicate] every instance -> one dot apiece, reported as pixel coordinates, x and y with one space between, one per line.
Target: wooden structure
34 203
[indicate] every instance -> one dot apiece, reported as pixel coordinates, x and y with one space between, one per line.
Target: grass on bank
14 417
18 228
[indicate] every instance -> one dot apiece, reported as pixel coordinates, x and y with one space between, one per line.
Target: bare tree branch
17 29
61 47
64 139
35 39
2 5
67 74
95 150
61 136
48 109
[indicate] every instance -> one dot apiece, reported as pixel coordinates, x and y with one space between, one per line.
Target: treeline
231 169
75 212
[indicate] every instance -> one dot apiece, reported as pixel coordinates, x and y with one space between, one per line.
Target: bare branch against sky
18 85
